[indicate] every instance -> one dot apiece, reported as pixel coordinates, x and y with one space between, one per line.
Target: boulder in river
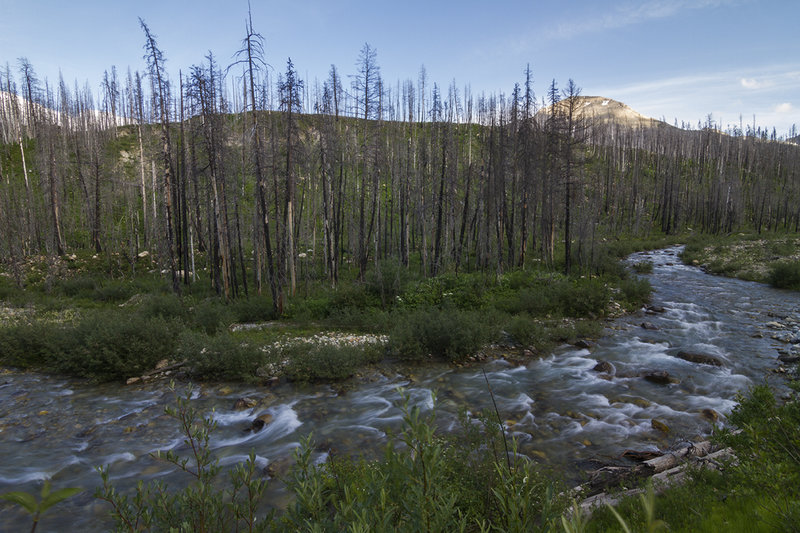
649 326
710 414
604 366
789 358
660 377
583 344
699 358
261 420
245 403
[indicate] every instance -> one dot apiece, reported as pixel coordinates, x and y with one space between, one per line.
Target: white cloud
752 83
785 107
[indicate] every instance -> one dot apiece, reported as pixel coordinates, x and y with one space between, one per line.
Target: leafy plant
47 499
202 506
785 275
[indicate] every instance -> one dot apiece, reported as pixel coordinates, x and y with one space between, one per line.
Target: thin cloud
785 107
631 14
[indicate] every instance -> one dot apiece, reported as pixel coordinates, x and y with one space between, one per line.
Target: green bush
643 267
118 345
442 333
462 291
425 482
113 291
635 292
253 309
203 504
221 357
585 297
526 331
77 287
163 306
211 316
102 345
785 275
322 362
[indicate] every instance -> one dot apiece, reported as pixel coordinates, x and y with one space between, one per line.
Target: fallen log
667 470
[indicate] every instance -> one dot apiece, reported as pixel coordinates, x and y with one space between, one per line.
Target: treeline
261 177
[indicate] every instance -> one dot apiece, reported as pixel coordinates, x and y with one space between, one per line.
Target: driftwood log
665 470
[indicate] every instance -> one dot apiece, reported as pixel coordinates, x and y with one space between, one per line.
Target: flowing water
560 410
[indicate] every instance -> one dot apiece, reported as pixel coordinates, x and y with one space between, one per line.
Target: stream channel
560 410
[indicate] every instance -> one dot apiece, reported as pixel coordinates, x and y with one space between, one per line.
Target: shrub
526 331
221 357
211 316
113 291
118 345
785 275
203 505
585 297
253 309
77 287
320 362
643 267
447 333
635 292
163 306
425 482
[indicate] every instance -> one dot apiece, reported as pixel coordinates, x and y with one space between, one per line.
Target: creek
561 411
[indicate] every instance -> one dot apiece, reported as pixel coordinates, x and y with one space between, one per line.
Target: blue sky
672 59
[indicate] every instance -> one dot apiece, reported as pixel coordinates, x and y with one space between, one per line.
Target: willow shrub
785 275
447 333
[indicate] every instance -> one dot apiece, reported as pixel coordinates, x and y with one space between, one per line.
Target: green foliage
220 357
116 345
202 505
635 292
102 345
558 297
253 309
77 287
759 491
441 333
462 291
643 267
425 482
321 362
46 500
211 316
785 275
163 306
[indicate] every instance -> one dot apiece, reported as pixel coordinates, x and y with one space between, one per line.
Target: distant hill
600 112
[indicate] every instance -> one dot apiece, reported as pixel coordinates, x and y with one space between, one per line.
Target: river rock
604 366
640 456
789 358
583 344
654 309
649 326
710 415
261 420
245 403
699 358
659 425
660 377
